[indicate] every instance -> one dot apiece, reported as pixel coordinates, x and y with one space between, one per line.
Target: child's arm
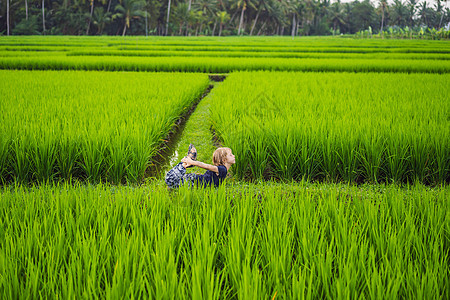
200 164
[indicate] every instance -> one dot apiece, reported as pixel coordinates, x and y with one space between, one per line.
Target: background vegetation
222 17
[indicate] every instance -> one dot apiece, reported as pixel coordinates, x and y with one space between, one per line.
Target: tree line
216 17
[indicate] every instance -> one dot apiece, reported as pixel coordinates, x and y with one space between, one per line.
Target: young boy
223 158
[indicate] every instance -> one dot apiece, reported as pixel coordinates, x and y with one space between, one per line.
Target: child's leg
191 178
175 176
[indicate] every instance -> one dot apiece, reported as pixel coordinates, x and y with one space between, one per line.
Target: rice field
351 127
224 55
89 125
340 187
237 242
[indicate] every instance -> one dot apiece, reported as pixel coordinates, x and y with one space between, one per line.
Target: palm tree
7 17
264 5
289 7
399 13
336 15
439 10
383 6
242 5
424 13
26 9
223 18
412 6
208 9
100 19
168 15
90 16
129 10
43 18
181 13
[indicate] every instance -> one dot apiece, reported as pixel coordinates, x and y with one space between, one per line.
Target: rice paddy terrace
340 187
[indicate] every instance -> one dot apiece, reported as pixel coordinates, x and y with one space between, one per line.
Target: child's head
222 156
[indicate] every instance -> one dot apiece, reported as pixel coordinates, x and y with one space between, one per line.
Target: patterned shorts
177 176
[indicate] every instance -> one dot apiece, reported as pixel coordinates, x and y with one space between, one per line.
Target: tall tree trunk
124 29
262 27
242 19
43 18
26 10
282 30
187 23
7 17
382 20
220 28
168 14
146 22
232 17
90 18
293 25
256 20
214 27
109 6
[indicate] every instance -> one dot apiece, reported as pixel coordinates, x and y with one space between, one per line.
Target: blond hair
220 156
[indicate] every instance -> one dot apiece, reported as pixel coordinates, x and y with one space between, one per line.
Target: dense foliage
219 17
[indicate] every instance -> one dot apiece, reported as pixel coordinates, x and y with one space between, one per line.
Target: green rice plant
316 44
43 156
93 157
371 155
222 64
20 160
258 152
397 158
206 53
330 161
67 155
420 158
284 151
119 157
4 157
241 253
276 243
440 145
308 161
348 163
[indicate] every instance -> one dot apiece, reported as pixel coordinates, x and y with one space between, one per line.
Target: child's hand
187 161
